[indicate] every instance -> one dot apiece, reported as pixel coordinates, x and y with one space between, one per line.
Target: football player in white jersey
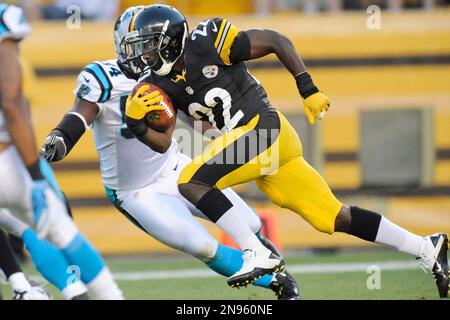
28 189
141 181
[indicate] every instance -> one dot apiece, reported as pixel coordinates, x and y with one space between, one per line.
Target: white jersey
125 162
13 25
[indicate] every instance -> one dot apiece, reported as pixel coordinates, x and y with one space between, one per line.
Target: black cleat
269 245
285 287
254 267
440 267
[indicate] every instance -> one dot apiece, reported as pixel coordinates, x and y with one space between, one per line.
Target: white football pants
15 195
167 216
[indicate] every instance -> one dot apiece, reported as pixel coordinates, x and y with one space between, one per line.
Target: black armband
71 128
305 85
35 170
240 49
137 127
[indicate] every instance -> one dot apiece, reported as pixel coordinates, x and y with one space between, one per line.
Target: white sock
19 282
237 228
74 289
104 287
392 235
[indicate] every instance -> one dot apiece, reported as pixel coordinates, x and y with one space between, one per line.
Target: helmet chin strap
166 66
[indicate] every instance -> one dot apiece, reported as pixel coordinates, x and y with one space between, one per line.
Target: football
158 120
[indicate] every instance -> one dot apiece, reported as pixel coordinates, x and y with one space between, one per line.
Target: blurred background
384 145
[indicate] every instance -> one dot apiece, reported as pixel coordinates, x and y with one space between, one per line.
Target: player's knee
62 231
185 190
343 220
192 191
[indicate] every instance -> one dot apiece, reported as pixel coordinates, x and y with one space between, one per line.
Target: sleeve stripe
105 84
219 34
224 35
98 80
108 86
226 47
3 27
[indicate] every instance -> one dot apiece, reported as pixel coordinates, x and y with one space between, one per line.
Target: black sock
364 223
8 262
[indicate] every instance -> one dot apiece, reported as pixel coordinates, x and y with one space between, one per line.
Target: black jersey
212 88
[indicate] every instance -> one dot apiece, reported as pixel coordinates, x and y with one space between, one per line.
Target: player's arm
69 130
137 107
257 43
15 107
156 140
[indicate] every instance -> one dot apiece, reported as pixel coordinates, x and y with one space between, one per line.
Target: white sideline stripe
293 269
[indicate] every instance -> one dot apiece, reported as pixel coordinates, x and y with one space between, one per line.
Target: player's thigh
11 224
63 229
15 185
276 143
239 156
220 157
300 188
166 218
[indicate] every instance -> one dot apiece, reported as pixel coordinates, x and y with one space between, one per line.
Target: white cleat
33 293
256 265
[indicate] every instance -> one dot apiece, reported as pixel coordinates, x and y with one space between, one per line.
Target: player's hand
316 106
141 103
53 148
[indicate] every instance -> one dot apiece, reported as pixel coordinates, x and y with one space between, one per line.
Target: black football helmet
157 37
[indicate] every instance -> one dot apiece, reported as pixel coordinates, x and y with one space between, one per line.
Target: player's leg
166 218
15 192
228 160
48 259
372 226
297 186
88 265
245 211
22 288
283 285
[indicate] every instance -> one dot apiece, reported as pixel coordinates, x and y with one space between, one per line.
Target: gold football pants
267 149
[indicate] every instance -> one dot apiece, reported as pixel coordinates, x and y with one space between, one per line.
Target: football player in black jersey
206 78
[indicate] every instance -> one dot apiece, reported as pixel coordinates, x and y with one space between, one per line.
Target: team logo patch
210 71
83 91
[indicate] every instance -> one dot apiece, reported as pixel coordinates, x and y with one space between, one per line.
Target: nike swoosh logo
175 169
87 80
214 29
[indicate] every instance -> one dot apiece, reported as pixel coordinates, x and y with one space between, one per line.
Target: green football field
346 275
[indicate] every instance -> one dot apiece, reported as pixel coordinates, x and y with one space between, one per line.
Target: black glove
53 148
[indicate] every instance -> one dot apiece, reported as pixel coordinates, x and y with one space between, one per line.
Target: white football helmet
121 28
